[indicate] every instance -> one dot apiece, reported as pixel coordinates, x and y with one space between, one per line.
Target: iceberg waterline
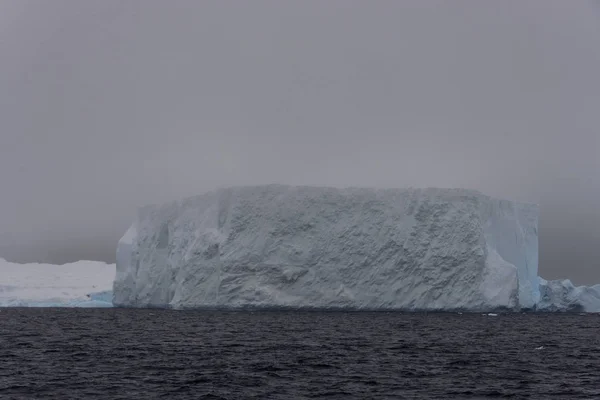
280 246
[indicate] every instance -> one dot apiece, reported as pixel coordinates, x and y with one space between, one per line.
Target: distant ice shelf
79 284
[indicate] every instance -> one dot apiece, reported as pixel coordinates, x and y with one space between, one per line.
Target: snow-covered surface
80 284
309 247
562 295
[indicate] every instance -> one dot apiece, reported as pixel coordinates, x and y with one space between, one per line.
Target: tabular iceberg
310 247
79 284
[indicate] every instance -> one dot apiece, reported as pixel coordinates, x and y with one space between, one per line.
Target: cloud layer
109 105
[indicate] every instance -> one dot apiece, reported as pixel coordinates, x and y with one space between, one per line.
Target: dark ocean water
147 354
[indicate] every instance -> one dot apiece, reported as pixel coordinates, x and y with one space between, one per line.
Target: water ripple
151 354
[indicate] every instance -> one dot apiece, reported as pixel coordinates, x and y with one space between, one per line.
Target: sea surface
146 354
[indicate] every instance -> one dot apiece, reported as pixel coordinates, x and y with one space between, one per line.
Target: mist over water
110 105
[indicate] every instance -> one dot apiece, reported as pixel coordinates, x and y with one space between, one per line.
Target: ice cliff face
280 246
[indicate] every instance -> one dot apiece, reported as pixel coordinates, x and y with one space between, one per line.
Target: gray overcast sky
107 105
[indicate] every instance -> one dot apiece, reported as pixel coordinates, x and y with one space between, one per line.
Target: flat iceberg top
284 246
79 284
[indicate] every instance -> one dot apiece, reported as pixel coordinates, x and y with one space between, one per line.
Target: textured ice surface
562 295
80 284
310 247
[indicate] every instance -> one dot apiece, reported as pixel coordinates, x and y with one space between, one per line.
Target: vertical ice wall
511 231
282 246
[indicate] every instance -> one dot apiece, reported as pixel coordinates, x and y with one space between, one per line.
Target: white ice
79 284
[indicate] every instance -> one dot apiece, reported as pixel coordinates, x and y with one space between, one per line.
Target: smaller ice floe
563 295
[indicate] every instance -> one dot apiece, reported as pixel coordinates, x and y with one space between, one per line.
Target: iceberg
278 246
79 284
562 295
